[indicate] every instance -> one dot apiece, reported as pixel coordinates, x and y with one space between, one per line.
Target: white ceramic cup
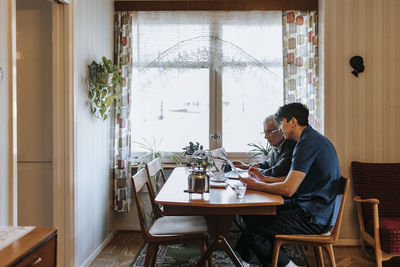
218 176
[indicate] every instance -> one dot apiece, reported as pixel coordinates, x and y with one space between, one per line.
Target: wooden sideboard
36 248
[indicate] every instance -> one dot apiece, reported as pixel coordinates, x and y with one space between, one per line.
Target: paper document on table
236 173
220 158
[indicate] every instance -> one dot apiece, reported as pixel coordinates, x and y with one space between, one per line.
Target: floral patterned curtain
300 62
122 126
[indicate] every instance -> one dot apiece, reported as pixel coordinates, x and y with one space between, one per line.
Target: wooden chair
169 229
325 241
154 168
378 184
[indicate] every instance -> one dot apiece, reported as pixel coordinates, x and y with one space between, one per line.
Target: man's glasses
269 132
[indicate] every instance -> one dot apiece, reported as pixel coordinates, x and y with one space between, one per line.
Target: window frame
215 102
213 5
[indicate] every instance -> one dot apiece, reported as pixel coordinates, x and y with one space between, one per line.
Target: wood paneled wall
362 115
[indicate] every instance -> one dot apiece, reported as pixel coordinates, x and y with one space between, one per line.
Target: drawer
43 256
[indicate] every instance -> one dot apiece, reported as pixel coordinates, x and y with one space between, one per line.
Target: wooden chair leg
210 258
153 260
329 249
319 257
151 250
362 242
203 248
378 256
275 252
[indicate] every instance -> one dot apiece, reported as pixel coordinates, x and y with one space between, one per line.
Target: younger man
311 186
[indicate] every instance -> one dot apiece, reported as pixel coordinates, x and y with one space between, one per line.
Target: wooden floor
121 251
123 248
350 257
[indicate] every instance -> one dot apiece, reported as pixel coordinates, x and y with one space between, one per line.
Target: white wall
4 113
93 38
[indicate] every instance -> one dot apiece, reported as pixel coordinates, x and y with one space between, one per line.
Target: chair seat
176 225
324 238
389 231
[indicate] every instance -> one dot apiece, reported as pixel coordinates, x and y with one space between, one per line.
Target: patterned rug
187 255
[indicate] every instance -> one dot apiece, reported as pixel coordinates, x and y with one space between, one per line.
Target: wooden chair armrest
375 213
369 200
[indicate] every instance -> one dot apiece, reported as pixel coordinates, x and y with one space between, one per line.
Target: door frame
63 128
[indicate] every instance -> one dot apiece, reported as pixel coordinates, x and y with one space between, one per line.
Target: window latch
215 136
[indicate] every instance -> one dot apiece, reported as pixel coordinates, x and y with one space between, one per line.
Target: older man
280 159
311 186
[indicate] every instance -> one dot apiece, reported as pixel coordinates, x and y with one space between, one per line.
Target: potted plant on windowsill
104 82
259 151
151 152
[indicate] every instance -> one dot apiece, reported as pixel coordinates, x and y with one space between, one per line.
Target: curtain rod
215 5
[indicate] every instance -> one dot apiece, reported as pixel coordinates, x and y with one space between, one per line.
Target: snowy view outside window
202 73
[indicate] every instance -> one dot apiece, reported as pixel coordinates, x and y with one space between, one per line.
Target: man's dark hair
293 110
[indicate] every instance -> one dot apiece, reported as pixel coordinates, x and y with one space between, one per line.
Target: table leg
218 227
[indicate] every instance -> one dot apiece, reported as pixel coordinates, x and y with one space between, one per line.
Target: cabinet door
43 256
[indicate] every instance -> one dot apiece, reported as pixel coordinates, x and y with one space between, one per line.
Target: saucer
218 180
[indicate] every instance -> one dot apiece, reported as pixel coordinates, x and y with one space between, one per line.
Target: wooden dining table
219 208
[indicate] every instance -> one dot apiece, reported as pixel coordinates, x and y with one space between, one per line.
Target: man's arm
239 164
243 166
282 161
266 164
286 188
255 173
280 168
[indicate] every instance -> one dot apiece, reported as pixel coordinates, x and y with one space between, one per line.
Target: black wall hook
357 64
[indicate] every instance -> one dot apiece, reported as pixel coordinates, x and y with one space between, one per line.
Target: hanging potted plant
104 82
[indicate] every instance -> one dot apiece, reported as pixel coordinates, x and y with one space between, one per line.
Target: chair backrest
154 169
139 180
377 180
344 186
154 166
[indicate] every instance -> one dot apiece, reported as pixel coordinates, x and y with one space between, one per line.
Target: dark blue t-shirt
318 195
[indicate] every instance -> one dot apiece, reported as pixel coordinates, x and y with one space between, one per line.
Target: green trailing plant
104 82
258 150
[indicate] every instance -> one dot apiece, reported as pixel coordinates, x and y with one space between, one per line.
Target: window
210 77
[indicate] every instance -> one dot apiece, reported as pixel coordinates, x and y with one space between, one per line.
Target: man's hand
239 164
255 165
255 173
251 183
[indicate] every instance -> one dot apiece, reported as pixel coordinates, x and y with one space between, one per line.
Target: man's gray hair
271 118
